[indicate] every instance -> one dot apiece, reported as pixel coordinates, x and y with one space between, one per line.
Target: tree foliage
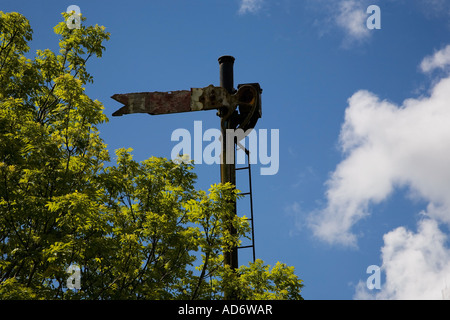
137 230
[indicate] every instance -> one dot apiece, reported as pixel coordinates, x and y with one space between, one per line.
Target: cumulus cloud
415 265
388 146
439 60
250 6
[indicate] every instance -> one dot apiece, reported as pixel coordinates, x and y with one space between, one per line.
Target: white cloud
388 146
250 6
351 17
415 265
439 60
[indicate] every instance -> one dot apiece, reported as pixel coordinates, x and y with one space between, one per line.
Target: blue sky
363 117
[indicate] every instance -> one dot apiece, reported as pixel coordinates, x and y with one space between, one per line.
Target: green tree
137 230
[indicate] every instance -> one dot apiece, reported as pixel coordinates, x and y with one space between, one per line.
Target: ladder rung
245 247
242 168
245 193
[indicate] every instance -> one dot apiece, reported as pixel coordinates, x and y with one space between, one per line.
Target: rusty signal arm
196 99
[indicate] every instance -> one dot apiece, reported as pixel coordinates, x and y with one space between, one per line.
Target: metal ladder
250 195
